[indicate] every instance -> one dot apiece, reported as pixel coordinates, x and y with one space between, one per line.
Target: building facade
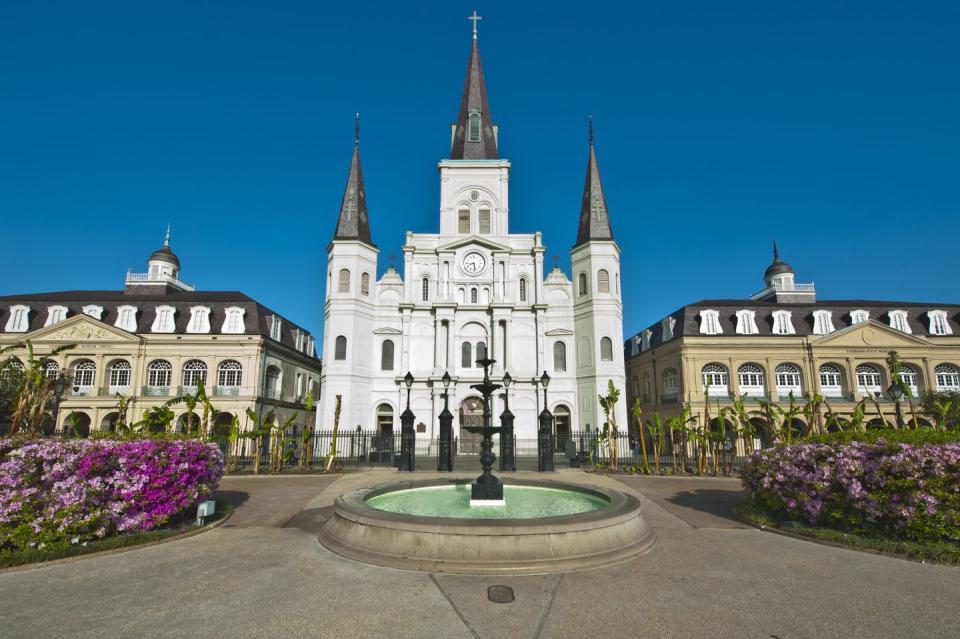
156 339
469 290
783 340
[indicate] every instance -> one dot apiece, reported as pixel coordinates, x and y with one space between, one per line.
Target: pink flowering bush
56 492
892 489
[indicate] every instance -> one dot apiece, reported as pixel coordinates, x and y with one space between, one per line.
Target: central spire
594 217
352 223
474 134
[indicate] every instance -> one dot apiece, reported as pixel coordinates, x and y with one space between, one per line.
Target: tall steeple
594 218
352 223
474 134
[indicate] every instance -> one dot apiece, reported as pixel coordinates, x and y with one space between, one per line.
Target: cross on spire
590 128
475 19
356 130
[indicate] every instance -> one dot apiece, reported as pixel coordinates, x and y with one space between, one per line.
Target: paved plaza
263 573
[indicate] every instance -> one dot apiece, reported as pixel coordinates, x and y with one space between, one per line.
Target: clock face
473 263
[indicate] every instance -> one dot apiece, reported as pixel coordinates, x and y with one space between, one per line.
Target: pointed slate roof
594 217
474 99
778 266
352 224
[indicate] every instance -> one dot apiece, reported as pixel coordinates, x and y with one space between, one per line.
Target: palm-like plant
637 411
36 392
306 437
608 403
261 426
656 427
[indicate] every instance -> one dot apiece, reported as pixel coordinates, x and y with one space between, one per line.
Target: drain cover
500 594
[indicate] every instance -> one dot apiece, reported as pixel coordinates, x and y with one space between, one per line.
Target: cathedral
470 290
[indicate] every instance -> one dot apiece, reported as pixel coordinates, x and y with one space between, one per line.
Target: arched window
559 357
365 284
84 374
466 355
473 127
822 322
271 382
481 350
671 384
119 374
603 281
51 370
386 355
606 349
463 220
787 377
194 372
425 289
344 281
233 321
229 374
523 289
646 387
159 374
750 380
909 376
831 381
340 348
582 290
948 377
869 379
714 377
473 295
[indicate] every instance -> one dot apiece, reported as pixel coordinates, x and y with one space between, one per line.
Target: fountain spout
487 489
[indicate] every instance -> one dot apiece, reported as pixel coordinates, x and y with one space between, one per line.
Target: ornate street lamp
545 431
407 436
445 461
508 460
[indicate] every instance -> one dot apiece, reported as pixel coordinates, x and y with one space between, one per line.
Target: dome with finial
778 266
164 253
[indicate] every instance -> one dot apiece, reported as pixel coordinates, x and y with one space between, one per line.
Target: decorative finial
475 18
590 128
776 252
556 261
356 130
392 259
166 239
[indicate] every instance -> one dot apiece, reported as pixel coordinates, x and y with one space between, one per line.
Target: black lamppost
445 461
508 460
486 487
896 394
407 436
545 431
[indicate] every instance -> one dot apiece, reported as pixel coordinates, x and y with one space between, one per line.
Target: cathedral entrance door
471 414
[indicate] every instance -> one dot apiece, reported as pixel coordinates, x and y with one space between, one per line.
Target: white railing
796 288
157 277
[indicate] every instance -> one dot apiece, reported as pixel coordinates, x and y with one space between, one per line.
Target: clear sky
831 126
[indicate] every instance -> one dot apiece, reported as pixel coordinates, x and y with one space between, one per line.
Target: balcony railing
113 391
155 391
157 277
226 391
83 391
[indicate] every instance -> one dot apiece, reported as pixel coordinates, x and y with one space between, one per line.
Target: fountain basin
614 531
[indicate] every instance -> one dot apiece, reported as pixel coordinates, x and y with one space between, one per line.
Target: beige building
784 340
156 339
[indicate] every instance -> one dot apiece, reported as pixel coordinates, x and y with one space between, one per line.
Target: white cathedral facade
473 288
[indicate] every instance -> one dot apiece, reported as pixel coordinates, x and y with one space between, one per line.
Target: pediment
558 331
872 334
387 330
474 240
80 328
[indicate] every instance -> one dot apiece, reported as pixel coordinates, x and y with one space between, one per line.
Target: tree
261 427
332 456
35 394
637 410
608 403
306 437
657 427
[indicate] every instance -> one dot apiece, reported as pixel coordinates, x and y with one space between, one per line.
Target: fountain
485 527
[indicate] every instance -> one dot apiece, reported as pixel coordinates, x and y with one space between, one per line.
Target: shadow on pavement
235 498
718 503
310 520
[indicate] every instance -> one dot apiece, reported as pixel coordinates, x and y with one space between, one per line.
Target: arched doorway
561 425
109 421
221 425
471 414
188 423
77 424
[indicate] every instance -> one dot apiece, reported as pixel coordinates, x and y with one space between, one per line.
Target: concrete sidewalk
268 576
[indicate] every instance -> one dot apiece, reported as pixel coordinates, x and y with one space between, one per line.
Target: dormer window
710 323
298 339
233 322
310 346
127 318
782 323
898 320
645 340
859 316
276 325
822 322
474 126
667 325
938 323
199 320
19 319
94 311
746 323
163 322
56 314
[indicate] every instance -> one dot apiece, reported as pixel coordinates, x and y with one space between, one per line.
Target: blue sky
830 126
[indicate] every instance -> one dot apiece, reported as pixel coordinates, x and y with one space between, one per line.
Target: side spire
166 238
474 134
776 252
594 217
352 223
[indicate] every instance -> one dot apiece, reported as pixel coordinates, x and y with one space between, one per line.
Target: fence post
545 442
508 458
445 453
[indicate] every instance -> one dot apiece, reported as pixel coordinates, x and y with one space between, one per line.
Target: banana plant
656 427
637 411
36 392
261 427
608 403
306 437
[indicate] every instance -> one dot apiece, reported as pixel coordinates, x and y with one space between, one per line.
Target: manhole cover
500 594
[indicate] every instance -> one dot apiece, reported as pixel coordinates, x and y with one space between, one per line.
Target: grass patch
941 552
183 524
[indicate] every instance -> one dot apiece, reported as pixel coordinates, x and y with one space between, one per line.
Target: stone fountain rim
620 507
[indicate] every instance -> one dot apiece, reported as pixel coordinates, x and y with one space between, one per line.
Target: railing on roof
796 288
161 278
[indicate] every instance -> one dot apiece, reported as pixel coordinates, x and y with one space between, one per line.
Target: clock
474 263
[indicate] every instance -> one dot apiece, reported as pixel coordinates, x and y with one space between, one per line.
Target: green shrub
917 437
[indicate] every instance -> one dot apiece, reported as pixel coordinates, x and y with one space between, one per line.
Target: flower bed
874 488
57 492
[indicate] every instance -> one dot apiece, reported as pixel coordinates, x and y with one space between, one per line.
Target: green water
523 502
